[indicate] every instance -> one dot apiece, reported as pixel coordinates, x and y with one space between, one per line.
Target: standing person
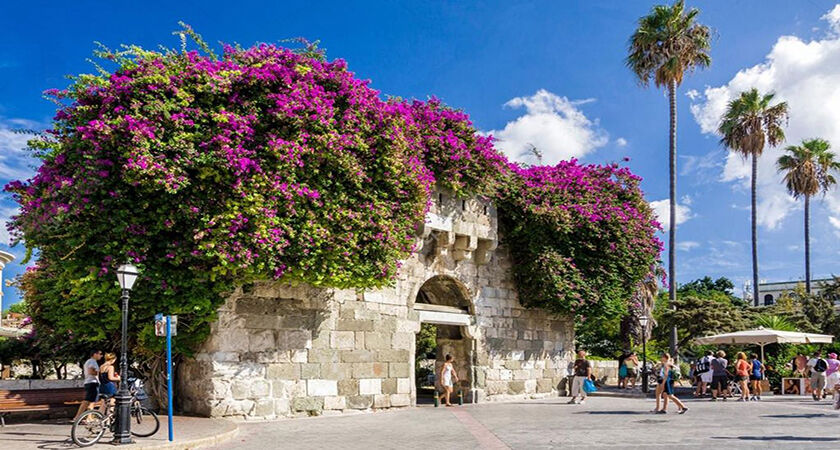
622 372
447 375
800 366
832 374
107 378
666 386
756 375
582 370
704 369
817 365
91 371
720 380
632 362
742 375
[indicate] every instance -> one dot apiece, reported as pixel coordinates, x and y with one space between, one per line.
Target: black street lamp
643 321
127 275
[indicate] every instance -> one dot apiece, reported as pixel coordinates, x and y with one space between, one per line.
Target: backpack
820 366
703 366
675 372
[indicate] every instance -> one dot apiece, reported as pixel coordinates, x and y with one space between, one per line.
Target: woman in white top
447 375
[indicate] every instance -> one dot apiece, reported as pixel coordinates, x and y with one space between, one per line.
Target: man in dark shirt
582 370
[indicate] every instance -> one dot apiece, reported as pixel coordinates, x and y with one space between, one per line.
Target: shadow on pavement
617 413
778 438
798 416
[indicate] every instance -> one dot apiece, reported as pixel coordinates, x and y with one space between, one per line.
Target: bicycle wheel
144 422
88 428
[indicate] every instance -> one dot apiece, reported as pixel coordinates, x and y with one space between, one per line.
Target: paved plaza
603 422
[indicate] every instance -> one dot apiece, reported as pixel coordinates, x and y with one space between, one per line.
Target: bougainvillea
271 163
581 236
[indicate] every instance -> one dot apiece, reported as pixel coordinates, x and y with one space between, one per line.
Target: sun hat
832 355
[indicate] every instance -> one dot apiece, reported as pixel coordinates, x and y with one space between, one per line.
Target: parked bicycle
89 428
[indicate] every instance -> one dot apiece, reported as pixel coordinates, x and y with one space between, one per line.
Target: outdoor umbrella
761 337
13 332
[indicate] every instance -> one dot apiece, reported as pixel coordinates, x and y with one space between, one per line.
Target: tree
808 171
774 322
668 43
750 122
697 316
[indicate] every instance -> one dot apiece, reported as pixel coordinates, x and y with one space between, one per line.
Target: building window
768 299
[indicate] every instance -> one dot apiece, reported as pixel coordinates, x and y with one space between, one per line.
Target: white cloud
552 124
687 245
692 94
806 74
835 222
621 142
662 210
14 160
5 215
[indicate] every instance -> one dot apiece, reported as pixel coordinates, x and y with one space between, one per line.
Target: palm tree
749 123
667 44
807 169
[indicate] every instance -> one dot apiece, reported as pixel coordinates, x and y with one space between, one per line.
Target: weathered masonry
280 350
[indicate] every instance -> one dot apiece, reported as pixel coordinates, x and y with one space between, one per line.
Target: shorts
631 373
706 377
755 378
720 382
742 377
91 392
818 381
108 389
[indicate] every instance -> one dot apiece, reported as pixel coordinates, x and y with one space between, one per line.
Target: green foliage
773 322
697 316
426 342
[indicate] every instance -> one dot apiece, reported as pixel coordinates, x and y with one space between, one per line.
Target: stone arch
444 290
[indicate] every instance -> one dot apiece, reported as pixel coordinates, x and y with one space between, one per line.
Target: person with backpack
704 371
667 374
756 375
817 366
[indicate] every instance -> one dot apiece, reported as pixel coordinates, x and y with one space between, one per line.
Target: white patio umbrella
12 332
761 337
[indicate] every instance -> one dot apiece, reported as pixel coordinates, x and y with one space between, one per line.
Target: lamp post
643 321
127 275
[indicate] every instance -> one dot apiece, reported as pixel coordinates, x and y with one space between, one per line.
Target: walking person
91 371
704 370
742 375
582 371
832 374
817 365
108 378
447 375
622 371
632 363
666 386
720 376
756 375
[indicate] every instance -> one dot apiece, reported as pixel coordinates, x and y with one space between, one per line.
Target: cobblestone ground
600 423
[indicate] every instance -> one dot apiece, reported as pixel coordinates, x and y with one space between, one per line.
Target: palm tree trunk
672 228
754 230
807 244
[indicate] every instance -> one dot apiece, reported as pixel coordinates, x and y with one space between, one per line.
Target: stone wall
279 350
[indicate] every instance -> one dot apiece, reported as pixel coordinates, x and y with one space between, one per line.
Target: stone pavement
190 432
603 422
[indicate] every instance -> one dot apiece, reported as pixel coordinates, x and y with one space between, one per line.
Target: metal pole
123 397
169 373
644 360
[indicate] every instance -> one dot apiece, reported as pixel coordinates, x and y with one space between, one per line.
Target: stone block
377 340
399 370
513 364
360 401
324 356
321 388
393 356
264 407
343 340
309 371
281 406
240 389
288 388
260 389
355 325
336 371
309 404
360 340
299 356
505 374
530 386
389 386
516 387
357 356
273 357
381 401
261 322
544 385
348 387
295 340
370 386
400 400
283 371
521 374
261 341
403 386
335 402
403 341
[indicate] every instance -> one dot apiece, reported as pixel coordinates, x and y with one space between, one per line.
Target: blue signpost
169 372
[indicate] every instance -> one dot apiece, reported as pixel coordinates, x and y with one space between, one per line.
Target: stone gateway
280 350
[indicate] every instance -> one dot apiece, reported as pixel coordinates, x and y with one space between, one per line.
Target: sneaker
582 402
741 399
758 399
683 411
571 402
661 411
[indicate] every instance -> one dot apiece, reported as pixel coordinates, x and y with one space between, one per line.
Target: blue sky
544 73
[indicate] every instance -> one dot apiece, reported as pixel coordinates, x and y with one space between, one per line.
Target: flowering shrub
271 163
581 236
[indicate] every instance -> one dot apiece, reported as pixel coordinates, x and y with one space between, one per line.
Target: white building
769 293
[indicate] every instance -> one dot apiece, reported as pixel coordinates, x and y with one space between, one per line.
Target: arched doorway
446 312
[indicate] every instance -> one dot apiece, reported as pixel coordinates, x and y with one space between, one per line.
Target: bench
38 400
